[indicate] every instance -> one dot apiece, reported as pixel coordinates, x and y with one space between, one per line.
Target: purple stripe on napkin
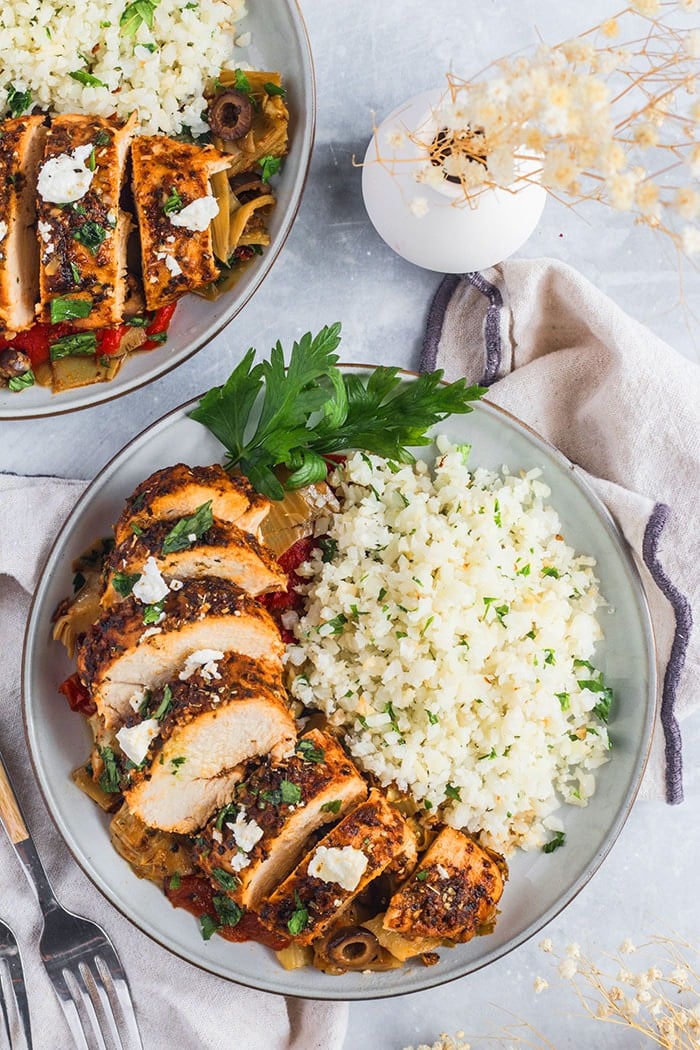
679 648
492 324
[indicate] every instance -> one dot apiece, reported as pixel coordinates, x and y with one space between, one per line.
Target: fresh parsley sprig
271 415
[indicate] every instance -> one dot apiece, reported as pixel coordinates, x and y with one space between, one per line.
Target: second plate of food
85 349
612 686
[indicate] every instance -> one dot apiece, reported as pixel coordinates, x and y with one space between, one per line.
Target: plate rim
306 146
638 767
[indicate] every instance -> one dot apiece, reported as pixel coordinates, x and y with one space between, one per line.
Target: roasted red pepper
196 895
77 695
158 326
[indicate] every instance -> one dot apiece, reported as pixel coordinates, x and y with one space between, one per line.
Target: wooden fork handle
10 813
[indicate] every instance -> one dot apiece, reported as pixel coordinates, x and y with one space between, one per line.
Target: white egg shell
435 227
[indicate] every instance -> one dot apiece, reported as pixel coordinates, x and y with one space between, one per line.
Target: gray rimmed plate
279 41
540 885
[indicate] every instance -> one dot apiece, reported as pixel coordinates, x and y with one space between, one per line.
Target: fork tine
117 988
101 1000
70 1010
13 991
80 994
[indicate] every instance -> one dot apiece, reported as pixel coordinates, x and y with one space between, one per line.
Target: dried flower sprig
610 115
656 996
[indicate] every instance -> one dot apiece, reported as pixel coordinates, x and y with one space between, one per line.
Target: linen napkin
177 1004
625 409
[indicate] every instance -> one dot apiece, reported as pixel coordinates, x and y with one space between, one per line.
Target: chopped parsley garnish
187 530
18 101
309 752
299 918
329 547
225 878
332 807
66 309
102 138
86 79
152 613
549 570
75 272
17 383
309 410
229 913
123 582
175 881
110 776
274 89
227 813
173 203
165 704
558 840
564 700
241 81
337 623
290 793
137 14
269 166
207 926
90 235
597 685
453 792
82 344
422 875
177 762
433 719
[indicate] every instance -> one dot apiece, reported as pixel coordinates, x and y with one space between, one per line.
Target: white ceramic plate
280 42
540 885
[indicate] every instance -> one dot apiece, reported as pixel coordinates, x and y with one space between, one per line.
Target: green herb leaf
66 309
453 792
207 926
152 613
87 79
80 344
309 752
291 793
309 410
173 203
274 89
299 918
269 166
90 235
422 875
136 14
558 840
229 913
17 383
187 530
332 807
227 813
18 101
110 776
123 582
226 879
102 138
241 81
165 704
75 272
175 881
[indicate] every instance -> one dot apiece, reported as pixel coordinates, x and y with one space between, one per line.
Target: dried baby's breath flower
609 116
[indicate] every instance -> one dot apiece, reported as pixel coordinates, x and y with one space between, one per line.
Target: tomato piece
77 695
109 339
196 895
35 341
158 326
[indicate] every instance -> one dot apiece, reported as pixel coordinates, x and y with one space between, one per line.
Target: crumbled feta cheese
442 872
176 585
171 263
245 832
135 741
65 178
151 587
203 660
197 215
149 632
342 864
136 699
44 231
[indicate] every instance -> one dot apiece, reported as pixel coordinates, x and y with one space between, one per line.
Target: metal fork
13 994
79 958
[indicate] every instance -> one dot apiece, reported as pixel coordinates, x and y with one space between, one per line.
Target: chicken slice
214 721
21 147
223 550
326 881
82 230
289 801
175 206
174 492
122 654
454 890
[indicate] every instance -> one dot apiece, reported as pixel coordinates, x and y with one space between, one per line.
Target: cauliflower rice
159 71
450 636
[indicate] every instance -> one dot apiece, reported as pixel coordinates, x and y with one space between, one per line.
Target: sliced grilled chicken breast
175 492
175 207
223 550
454 890
330 876
215 721
121 654
82 231
289 801
21 148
